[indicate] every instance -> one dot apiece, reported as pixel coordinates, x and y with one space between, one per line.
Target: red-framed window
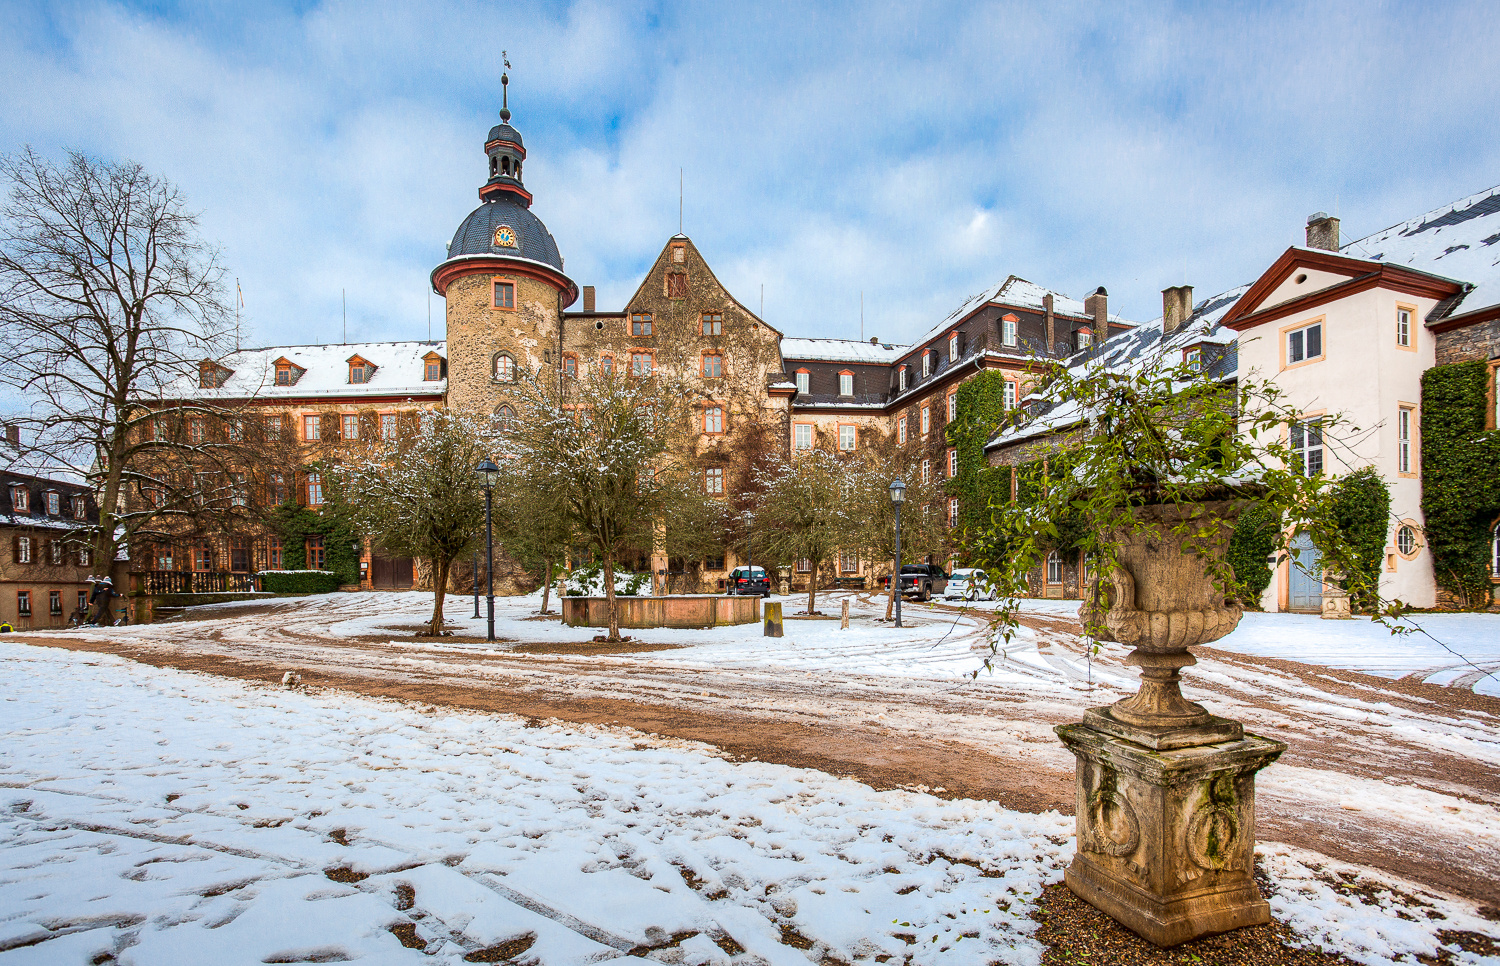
505 295
712 365
713 419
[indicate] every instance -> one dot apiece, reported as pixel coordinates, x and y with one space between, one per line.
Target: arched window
504 420
504 368
1054 567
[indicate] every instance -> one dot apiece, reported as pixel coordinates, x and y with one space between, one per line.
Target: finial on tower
504 86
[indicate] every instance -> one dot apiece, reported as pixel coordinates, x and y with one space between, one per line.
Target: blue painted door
1305 582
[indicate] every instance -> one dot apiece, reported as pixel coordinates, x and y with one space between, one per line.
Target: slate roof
840 350
398 372
1018 292
504 132
1141 346
1460 241
476 236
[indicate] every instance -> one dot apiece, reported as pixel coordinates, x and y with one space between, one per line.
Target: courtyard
696 796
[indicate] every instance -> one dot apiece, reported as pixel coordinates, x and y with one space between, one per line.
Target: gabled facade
45 557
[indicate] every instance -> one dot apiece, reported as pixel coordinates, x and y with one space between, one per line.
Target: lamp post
475 572
487 471
898 497
750 557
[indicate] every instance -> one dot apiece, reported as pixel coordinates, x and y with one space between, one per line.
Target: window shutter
409 424
331 427
369 424
15 549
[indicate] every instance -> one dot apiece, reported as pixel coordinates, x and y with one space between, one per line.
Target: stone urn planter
1165 789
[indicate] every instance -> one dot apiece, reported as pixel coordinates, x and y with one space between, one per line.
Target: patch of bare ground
1077 934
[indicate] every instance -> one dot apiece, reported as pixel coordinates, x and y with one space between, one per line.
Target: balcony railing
153 583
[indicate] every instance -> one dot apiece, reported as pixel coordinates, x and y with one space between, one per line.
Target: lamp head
487 471
898 491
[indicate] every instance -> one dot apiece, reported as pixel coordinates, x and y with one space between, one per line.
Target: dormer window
53 501
1193 358
211 375
360 371
901 378
80 508
953 348
846 383
20 499
926 363
1085 339
432 367
803 378
287 372
1008 329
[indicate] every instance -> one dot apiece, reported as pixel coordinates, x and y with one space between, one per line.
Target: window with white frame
1406 541
1495 552
55 552
20 499
803 378
1054 567
1193 359
952 348
901 429
802 436
351 426
952 463
1008 330
926 419
926 363
846 438
952 406
1306 440
1403 440
1403 327
846 384
23 603
23 550
1010 394
926 470
804 565
1085 339
1304 344
848 562
388 426
901 379
80 508
713 480
953 511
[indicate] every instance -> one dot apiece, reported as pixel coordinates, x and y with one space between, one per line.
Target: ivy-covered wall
1253 542
294 524
980 409
1362 509
1460 479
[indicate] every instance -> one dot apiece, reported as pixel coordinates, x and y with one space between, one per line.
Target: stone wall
477 332
1478 341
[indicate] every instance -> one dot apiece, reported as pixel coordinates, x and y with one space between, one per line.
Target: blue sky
915 152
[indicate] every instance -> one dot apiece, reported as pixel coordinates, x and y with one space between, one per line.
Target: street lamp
898 497
749 557
487 471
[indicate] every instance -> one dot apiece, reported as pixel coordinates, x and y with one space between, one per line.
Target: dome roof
476 236
504 132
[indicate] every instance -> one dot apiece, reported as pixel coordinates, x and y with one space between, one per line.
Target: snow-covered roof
841 350
399 369
1141 346
1017 292
1460 241
38 464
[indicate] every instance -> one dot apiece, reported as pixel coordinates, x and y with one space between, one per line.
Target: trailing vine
294 524
1460 478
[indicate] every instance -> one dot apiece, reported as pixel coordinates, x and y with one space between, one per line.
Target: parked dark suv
748 581
921 581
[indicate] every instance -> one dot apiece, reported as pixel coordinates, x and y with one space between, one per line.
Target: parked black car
747 581
920 580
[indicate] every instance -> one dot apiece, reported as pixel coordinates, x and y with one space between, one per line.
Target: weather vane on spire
504 88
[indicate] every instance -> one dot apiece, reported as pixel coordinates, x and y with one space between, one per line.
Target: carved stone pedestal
1166 839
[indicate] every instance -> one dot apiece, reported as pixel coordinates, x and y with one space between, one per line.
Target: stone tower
504 284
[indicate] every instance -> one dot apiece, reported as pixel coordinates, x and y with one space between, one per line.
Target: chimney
874 340
1047 310
588 298
1097 305
1176 306
1323 232
13 435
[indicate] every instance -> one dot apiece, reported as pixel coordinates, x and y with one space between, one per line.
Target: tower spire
504 89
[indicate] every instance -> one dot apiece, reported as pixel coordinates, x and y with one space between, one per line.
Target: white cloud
916 154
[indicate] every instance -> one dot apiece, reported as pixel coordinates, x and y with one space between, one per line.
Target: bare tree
603 449
420 495
532 522
923 530
109 303
808 510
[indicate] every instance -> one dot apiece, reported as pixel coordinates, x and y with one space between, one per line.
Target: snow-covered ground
160 817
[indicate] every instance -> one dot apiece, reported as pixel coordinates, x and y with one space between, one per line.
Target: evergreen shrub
300 581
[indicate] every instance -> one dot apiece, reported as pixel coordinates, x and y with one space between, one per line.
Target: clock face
505 237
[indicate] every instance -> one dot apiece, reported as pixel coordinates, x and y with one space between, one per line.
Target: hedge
300 581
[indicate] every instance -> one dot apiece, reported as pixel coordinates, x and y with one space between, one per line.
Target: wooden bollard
773 619
844 617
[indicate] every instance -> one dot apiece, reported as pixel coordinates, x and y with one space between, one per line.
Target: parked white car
969 583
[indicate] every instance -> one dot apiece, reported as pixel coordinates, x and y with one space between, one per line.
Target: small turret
506 152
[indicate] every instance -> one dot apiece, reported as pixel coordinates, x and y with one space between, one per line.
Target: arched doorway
1305 576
